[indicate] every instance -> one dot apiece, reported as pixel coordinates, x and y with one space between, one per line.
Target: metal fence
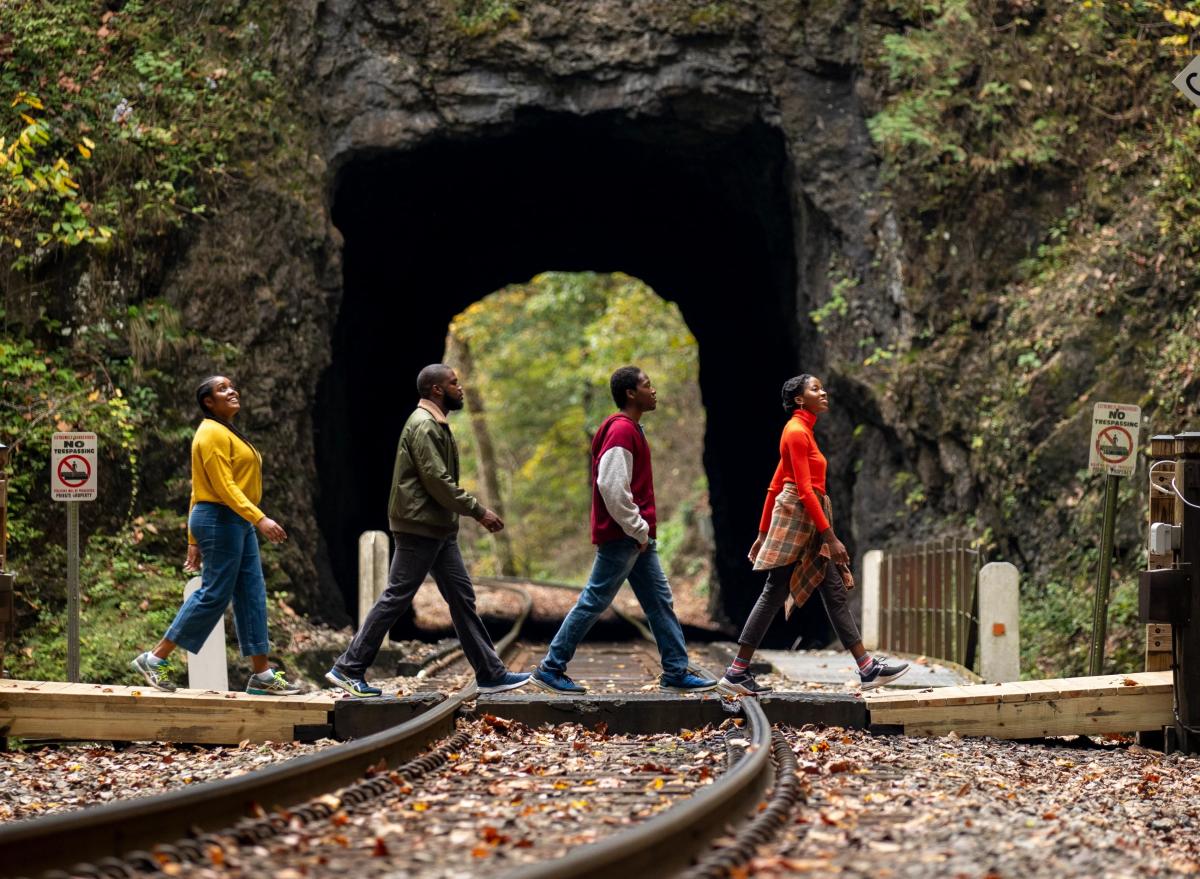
928 600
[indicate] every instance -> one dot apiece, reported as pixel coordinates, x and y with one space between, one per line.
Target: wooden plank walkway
55 710
1032 709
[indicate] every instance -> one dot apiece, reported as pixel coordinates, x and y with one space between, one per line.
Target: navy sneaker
879 673
556 683
741 684
510 681
354 686
686 683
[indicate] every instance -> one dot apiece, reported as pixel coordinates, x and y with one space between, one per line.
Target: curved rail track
32 847
114 839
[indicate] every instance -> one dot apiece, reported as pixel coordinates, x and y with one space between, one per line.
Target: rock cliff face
718 151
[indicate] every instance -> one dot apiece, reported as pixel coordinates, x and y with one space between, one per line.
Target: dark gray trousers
416 557
833 594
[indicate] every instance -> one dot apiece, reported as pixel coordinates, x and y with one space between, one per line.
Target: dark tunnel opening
704 218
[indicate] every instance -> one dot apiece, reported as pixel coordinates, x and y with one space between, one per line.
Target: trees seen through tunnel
541 354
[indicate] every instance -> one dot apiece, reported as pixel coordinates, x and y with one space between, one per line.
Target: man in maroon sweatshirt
623 531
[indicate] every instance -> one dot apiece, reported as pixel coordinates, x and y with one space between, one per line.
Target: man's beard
452 403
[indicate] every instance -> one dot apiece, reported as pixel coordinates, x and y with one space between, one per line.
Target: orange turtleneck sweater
802 464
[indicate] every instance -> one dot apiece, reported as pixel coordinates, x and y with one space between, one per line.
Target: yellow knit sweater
225 470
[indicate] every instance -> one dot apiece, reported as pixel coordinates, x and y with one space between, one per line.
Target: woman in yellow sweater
226 489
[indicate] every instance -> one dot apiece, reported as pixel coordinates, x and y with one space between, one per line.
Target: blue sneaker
510 681
686 683
556 683
354 686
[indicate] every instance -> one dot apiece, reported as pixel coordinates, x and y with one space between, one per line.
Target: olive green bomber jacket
426 498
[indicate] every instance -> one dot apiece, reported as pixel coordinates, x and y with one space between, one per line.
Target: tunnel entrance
703 217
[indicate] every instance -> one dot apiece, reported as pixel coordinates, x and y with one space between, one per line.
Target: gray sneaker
157 676
743 684
880 672
277 685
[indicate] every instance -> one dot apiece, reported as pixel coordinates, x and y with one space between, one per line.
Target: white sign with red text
73 467
1114 438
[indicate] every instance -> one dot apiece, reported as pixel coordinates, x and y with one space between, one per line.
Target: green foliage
543 354
157 114
976 92
909 485
39 197
43 391
128 599
1056 621
478 17
712 15
842 284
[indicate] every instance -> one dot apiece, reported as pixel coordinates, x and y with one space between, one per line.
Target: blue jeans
615 562
232 570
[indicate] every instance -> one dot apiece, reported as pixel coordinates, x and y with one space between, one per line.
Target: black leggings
832 591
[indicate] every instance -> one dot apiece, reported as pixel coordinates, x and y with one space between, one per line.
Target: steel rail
665 844
502 580
35 846
453 652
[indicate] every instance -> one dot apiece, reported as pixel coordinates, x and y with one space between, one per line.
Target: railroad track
29 848
138 837
631 619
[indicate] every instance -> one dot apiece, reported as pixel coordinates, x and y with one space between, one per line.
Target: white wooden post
373 549
872 565
999 623
208 669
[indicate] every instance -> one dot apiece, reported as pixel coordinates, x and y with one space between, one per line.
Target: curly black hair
793 388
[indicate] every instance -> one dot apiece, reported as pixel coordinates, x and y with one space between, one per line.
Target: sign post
72 480
6 579
1113 452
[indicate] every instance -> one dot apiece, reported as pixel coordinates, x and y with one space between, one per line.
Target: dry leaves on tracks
510 796
58 778
892 806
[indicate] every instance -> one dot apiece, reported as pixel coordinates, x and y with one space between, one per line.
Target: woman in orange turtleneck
797 546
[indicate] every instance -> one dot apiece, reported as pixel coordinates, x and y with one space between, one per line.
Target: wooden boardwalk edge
1033 709
56 710
1024 709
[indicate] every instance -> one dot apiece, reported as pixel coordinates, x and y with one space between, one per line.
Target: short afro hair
433 374
623 380
793 388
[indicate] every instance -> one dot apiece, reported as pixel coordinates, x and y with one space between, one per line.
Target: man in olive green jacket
423 509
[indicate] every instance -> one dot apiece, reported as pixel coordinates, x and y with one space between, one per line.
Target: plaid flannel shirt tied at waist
793 537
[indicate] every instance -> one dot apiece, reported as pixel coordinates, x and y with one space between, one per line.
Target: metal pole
1100 605
3 508
73 591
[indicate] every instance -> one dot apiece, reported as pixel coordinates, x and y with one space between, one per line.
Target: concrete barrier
208 669
872 564
373 551
999 623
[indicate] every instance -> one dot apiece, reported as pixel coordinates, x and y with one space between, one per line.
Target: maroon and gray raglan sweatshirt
622 482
